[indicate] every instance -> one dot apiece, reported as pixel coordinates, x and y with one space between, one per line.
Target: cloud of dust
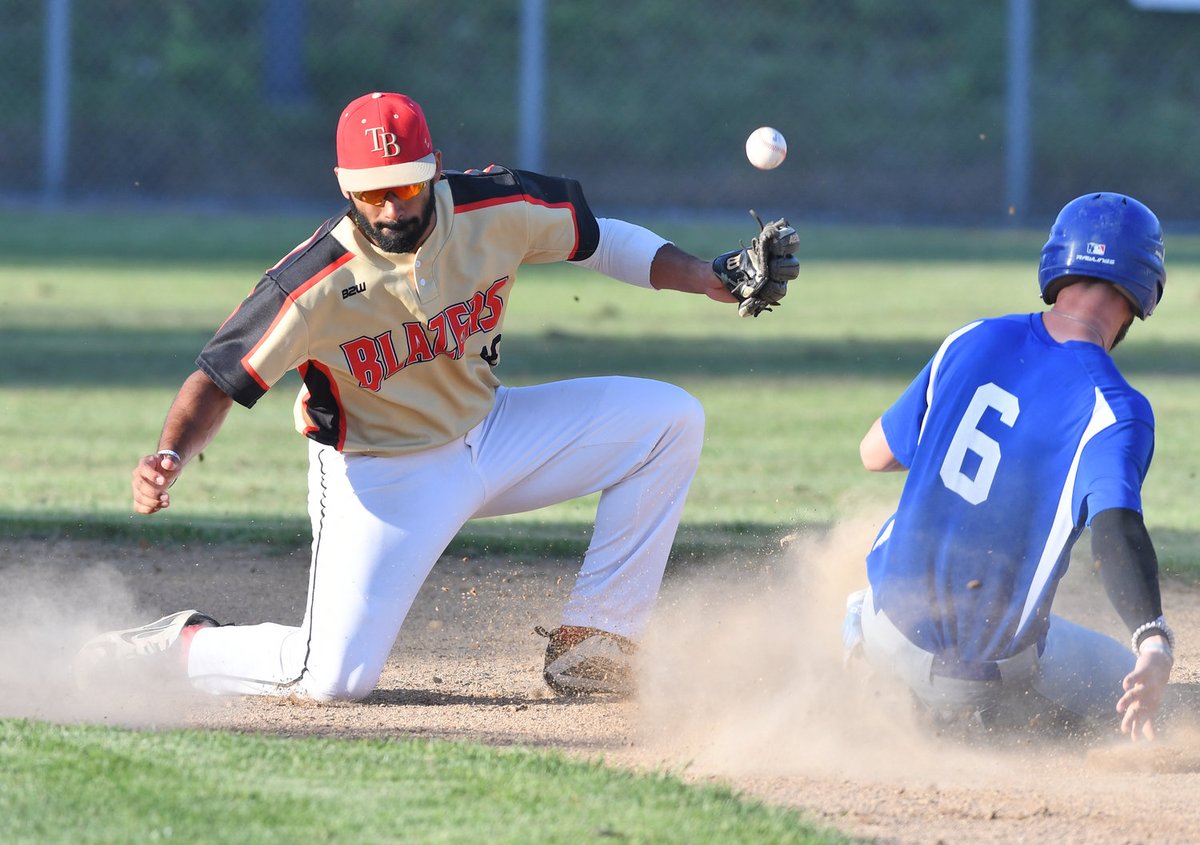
46 613
742 673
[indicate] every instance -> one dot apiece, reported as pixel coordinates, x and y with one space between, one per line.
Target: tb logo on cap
383 126
383 142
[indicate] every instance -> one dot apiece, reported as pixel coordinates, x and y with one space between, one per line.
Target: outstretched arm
755 277
1129 568
194 419
635 255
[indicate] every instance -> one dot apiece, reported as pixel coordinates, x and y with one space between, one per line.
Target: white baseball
766 148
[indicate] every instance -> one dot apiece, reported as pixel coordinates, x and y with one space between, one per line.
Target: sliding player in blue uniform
1017 434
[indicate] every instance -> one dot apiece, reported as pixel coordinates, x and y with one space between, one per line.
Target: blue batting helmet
1110 237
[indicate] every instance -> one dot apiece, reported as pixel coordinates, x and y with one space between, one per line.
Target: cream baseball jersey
396 351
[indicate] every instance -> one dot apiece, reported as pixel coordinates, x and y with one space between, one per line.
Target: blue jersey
1013 442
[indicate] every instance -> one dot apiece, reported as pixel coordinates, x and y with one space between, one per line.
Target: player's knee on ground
352 683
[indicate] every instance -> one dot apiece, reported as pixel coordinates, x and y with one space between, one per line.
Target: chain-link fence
893 111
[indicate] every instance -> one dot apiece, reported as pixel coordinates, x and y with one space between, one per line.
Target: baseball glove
758 275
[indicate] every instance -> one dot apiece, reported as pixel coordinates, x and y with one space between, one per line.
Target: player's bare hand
152 477
717 290
1144 688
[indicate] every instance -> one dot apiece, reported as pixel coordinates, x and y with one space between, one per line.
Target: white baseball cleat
148 653
588 661
852 628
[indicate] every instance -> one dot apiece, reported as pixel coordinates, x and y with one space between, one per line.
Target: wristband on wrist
1158 625
1157 645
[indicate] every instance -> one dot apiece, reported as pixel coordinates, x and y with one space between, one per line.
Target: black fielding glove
758 275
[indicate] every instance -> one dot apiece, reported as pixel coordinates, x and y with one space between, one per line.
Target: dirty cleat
151 653
586 661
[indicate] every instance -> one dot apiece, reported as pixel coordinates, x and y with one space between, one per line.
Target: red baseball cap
383 141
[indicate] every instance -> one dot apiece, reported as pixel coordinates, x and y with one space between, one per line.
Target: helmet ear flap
1050 291
1110 237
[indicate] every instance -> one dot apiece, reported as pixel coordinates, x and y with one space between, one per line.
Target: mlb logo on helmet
1095 249
382 142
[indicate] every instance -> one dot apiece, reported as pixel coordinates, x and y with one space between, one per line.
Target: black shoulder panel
481 188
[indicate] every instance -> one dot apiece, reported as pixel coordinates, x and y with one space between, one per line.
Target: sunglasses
379 196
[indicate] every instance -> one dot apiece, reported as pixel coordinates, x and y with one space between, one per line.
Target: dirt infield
741 684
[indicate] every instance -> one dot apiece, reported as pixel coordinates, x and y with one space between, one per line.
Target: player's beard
1121 334
403 236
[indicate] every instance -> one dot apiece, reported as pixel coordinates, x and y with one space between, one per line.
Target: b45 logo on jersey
372 360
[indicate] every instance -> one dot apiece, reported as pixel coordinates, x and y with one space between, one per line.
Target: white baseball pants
380 524
1079 669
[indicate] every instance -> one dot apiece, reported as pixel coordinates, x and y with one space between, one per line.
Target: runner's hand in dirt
1144 688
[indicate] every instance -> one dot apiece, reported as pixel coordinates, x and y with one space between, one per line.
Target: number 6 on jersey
968 438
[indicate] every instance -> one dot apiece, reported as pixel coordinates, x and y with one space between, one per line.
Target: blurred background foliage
893 111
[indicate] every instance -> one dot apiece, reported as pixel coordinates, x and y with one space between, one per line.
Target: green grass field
97 332
81 785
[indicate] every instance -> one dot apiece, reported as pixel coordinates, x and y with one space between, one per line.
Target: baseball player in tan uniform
392 314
